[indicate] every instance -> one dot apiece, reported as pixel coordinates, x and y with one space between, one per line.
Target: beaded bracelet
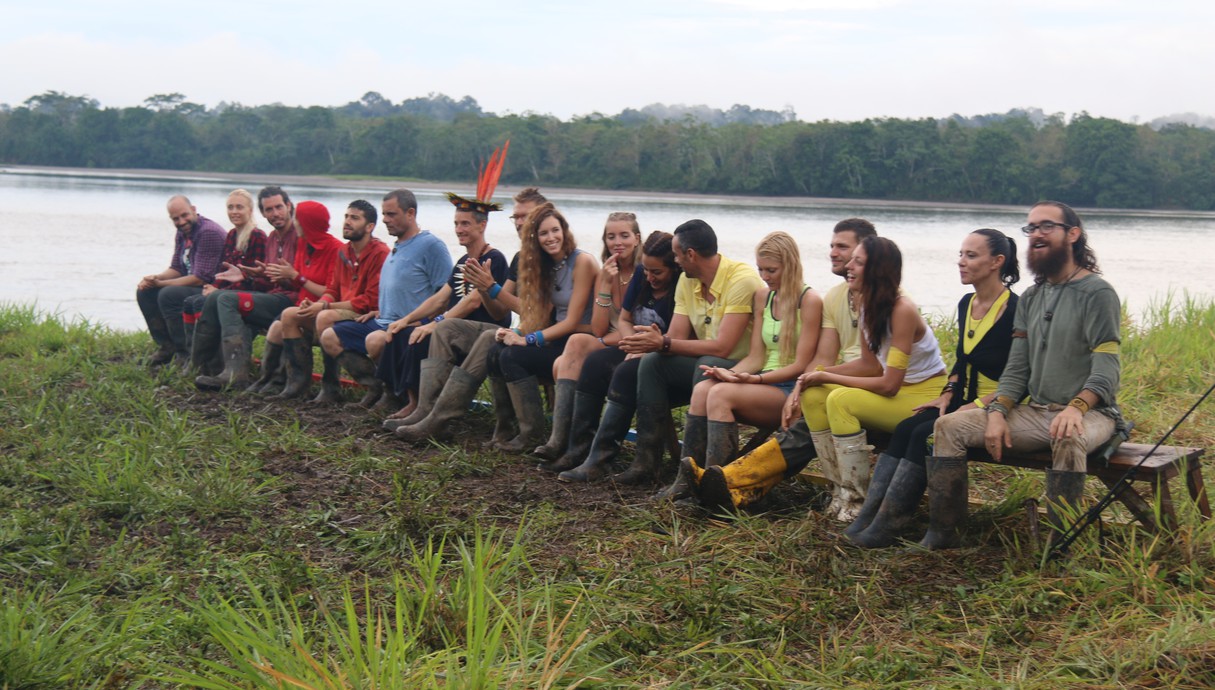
605 304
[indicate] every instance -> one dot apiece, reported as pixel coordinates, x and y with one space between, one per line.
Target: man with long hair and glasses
1058 390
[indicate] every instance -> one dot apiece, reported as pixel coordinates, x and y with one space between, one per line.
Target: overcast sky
828 59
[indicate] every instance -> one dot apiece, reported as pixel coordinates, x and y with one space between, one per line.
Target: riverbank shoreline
506 191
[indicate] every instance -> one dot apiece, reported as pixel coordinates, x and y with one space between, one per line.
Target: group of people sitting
656 323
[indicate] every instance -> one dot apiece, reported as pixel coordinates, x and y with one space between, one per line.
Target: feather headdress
486 183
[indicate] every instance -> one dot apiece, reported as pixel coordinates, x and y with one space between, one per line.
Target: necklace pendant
776 337
854 323
970 333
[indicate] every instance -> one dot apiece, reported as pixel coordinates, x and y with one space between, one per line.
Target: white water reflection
78 243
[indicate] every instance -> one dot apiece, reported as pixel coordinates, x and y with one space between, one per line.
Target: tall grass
151 537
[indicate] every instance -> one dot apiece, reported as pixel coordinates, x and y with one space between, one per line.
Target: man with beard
415 268
224 307
353 290
1058 390
197 252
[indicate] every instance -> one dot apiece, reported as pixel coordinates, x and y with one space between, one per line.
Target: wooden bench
1167 462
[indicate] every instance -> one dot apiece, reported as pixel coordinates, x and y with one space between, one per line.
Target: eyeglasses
1046 226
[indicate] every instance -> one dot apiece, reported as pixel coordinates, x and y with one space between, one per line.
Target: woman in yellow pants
900 369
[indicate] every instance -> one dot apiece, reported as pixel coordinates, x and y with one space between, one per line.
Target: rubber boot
362 370
902 496
743 481
686 484
529 410
883 470
824 448
331 385
1063 492
504 415
164 342
388 402
236 367
433 374
613 427
563 414
650 446
695 437
948 488
181 358
583 422
452 404
722 443
297 356
278 380
852 459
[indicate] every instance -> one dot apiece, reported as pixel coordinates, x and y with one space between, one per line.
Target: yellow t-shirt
732 289
837 315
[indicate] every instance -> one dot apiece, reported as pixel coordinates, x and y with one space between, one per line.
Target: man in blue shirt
417 267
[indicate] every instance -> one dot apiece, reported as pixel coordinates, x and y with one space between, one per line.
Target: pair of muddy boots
528 408
583 420
236 366
273 374
845 463
894 494
296 354
433 375
604 445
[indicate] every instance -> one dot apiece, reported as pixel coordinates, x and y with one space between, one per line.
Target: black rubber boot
902 496
529 410
297 355
1063 492
948 486
613 427
563 414
650 446
452 404
883 470
164 342
331 385
271 360
722 443
686 483
362 370
584 421
695 437
236 367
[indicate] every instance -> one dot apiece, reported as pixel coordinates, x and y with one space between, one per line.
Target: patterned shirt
255 250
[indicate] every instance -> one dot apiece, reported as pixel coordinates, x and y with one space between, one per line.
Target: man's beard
1052 263
355 236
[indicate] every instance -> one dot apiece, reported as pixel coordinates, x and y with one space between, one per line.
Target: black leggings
910 439
517 362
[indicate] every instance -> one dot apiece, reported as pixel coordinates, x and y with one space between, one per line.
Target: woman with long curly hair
555 284
899 370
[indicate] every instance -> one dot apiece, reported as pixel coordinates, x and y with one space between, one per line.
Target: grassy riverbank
153 536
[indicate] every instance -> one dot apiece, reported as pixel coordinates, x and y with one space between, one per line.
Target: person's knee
374 342
702 392
953 433
331 343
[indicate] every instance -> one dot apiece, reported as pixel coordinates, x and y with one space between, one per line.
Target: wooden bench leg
1198 491
1141 509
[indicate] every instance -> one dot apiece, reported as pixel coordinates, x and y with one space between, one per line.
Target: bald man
197 251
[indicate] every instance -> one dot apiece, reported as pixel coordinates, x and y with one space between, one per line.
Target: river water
77 242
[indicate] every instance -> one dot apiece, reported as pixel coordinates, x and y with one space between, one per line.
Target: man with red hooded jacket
290 281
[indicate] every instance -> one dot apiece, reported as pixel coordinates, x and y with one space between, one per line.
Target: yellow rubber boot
745 480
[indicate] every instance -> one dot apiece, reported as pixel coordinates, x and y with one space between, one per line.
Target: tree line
1009 159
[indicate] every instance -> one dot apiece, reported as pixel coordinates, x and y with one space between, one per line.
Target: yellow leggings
845 410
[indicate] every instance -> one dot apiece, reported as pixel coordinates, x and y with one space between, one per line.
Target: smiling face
1050 253
843 243
619 239
468 230
855 268
182 214
354 225
975 260
770 271
657 274
551 238
239 212
277 212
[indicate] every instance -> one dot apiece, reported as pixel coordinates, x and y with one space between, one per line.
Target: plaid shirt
255 251
199 251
